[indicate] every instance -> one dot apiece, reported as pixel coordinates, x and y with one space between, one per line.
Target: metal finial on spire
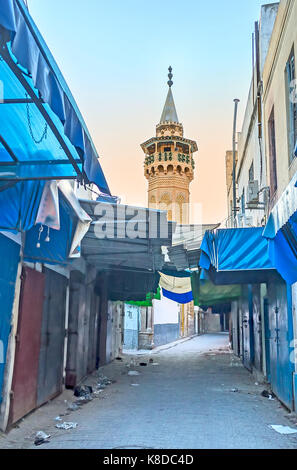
170 76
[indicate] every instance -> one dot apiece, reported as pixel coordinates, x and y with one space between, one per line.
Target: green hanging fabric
149 299
207 293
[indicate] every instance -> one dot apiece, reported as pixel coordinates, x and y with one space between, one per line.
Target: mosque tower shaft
169 164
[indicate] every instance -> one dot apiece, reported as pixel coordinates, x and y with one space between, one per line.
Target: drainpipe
236 101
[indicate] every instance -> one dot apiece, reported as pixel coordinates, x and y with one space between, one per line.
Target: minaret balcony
149 159
169 157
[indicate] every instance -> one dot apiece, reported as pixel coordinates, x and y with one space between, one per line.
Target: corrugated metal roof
122 246
186 243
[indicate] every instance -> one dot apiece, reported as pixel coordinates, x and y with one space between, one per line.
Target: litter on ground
82 390
66 425
268 395
41 438
283 429
133 372
73 406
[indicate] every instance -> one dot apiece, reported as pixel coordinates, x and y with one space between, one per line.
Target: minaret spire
169 113
170 76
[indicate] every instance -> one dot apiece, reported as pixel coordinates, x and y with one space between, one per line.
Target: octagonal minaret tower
169 164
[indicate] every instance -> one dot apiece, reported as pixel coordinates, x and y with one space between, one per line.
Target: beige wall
229 171
283 38
251 146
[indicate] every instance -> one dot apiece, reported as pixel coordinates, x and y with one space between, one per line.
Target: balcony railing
168 157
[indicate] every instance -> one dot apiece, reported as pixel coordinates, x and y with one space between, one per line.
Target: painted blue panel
130 339
131 326
285 337
281 336
165 333
295 389
9 255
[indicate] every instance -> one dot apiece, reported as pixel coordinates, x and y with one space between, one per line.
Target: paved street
185 400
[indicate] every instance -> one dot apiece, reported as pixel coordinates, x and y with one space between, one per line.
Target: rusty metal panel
80 353
93 331
109 331
118 314
82 330
72 344
24 384
85 327
50 375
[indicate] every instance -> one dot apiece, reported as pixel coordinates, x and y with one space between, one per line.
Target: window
251 173
290 76
243 202
272 153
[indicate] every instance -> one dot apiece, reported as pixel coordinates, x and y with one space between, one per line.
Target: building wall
283 39
251 145
212 322
275 91
166 321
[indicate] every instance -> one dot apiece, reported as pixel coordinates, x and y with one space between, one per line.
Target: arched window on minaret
166 205
180 208
153 202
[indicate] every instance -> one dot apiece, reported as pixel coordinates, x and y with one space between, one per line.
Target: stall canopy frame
43 135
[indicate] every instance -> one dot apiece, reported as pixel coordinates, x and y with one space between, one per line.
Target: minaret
169 164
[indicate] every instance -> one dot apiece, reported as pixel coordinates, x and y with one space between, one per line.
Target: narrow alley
193 395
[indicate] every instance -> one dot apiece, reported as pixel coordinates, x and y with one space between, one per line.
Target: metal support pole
236 101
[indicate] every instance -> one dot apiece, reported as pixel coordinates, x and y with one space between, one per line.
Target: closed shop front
280 337
83 325
25 374
51 357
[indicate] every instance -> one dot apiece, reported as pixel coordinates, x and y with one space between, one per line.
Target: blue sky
115 54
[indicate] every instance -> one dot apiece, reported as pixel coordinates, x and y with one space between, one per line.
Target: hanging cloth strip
178 289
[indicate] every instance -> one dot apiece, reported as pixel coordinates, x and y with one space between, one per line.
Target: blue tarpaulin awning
236 256
57 246
27 207
42 132
57 249
19 205
281 233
